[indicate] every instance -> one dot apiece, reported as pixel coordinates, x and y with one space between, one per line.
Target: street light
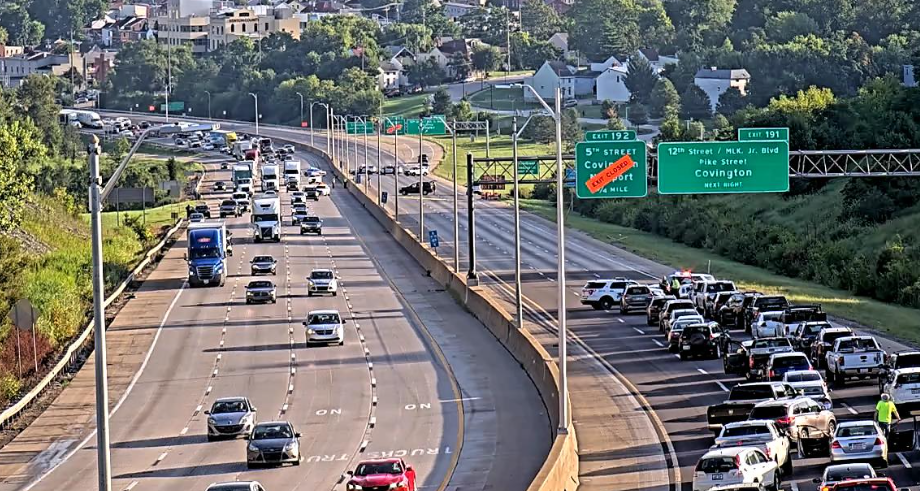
256 99
209 104
301 109
518 291
560 265
312 130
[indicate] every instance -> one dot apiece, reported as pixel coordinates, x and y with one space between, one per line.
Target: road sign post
24 317
723 167
528 167
426 126
762 134
604 163
359 127
433 240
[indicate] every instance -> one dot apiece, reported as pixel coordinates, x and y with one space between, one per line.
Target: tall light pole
313 130
255 97
301 110
209 104
560 264
518 290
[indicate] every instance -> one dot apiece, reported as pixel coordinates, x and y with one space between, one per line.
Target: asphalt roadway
677 391
416 378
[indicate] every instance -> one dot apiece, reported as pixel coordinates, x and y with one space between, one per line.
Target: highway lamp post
421 184
301 111
396 130
312 130
364 130
560 264
209 104
518 294
453 134
255 98
328 129
379 164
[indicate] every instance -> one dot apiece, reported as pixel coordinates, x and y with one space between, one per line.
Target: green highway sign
427 126
528 167
594 159
359 127
610 136
723 167
394 125
173 106
760 134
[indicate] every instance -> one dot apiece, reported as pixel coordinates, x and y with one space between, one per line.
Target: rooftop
715 73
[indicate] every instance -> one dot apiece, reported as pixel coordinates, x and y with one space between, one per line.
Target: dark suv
427 188
654 308
635 297
700 340
731 313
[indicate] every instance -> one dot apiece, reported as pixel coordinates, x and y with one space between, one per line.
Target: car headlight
211 421
310 330
290 446
191 271
253 448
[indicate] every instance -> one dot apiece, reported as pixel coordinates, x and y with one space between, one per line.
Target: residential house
399 53
391 75
455 10
551 75
560 41
715 82
317 9
602 66
611 85
560 6
10 51
99 63
253 22
657 60
14 69
447 53
130 29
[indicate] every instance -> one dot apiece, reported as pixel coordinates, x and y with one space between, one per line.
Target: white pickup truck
853 357
768 325
761 434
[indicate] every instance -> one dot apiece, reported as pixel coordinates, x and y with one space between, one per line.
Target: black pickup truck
742 399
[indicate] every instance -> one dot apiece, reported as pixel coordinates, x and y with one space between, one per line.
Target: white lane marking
370 365
373 382
640 331
850 409
184 431
198 409
621 320
677 356
290 388
794 486
904 460
363 445
702 371
658 343
284 408
160 458
218 357
575 293
374 401
131 486
208 390
124 396
373 422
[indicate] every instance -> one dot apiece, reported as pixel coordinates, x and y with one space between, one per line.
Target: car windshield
849 472
370 468
683 313
321 275
221 407
750 393
768 412
317 319
747 430
790 361
858 344
867 487
908 361
814 329
239 196
228 202
270 432
855 431
813 390
908 378
313 219
803 377
719 287
638 290
771 343
260 284
263 259
713 465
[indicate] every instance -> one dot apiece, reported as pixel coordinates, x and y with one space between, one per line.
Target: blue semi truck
207 253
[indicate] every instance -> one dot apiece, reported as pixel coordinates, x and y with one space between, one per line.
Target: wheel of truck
787 466
596 306
606 303
777 482
683 356
840 380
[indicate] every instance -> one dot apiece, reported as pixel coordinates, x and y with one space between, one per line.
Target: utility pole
379 164
456 212
421 184
168 73
301 115
519 307
209 104
255 97
560 266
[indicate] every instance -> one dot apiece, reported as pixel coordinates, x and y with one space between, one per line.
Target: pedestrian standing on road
883 412
675 287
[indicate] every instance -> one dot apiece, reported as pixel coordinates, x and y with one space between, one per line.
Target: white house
604 65
560 41
455 10
611 85
551 75
715 82
391 75
657 60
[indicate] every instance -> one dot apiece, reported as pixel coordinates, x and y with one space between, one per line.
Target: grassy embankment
902 322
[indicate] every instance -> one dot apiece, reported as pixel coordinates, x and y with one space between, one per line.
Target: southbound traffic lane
505 428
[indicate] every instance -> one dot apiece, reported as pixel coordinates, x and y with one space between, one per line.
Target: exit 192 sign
628 177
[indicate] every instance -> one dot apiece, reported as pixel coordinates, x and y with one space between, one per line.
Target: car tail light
784 421
768 452
835 444
772 374
878 442
751 362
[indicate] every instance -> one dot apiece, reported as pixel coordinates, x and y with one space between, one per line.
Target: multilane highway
416 378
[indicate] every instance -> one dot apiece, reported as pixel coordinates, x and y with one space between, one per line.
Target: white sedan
736 465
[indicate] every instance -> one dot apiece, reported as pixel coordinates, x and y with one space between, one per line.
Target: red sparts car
874 484
383 474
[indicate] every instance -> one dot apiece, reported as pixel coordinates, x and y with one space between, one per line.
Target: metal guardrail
69 358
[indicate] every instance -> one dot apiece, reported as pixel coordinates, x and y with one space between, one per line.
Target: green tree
785 26
21 28
609 109
426 73
539 19
441 104
527 52
4 35
697 130
615 124
489 25
571 129
601 28
805 103
671 130
640 79
461 65
695 104
119 150
20 144
664 97
415 36
638 114
486 58
730 102
462 111
723 127
36 97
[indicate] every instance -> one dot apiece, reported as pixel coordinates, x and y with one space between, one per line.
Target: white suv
325 326
322 281
604 294
903 386
736 465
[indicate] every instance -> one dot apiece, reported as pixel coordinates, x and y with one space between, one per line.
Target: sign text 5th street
593 158
723 167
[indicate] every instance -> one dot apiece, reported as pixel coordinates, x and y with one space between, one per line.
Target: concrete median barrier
560 470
